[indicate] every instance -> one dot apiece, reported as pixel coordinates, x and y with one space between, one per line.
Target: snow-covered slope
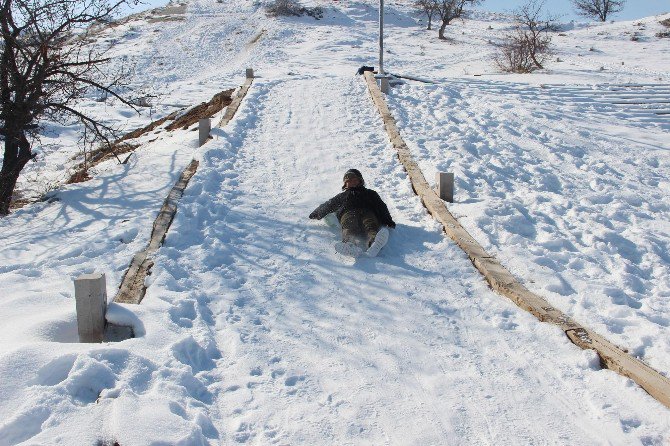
254 331
577 208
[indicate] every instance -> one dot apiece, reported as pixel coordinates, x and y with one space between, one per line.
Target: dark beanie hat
354 172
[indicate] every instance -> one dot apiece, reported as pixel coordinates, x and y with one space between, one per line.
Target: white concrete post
204 127
250 73
90 294
445 186
384 84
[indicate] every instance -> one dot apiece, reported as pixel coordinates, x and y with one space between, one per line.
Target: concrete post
204 127
384 85
250 73
445 186
90 294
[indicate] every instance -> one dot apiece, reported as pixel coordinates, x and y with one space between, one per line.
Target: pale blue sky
634 9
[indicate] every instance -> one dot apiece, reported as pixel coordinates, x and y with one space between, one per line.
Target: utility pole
381 37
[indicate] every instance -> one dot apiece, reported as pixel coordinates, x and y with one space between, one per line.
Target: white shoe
380 240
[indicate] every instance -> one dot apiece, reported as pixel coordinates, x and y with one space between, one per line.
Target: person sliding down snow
361 213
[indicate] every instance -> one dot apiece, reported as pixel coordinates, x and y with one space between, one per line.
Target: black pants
357 223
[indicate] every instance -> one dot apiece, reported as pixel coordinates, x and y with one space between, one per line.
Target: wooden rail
132 288
503 282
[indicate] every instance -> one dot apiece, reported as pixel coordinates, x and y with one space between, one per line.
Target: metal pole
381 37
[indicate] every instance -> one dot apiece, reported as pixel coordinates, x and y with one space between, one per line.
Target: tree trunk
17 155
533 49
605 11
535 61
7 184
441 32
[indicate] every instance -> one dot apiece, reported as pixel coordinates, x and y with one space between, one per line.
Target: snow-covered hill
254 331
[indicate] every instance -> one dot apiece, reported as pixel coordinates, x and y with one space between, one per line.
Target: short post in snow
445 186
250 73
204 127
90 294
384 84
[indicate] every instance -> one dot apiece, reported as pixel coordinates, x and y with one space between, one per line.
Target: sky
634 9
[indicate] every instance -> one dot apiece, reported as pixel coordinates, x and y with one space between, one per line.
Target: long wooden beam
132 289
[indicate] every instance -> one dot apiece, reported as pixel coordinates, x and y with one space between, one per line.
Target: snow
570 206
253 330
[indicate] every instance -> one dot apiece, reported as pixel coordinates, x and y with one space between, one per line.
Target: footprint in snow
189 352
183 314
243 433
233 318
292 381
56 371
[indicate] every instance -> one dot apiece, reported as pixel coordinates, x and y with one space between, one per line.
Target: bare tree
513 56
599 9
427 7
448 10
279 8
46 69
536 30
529 44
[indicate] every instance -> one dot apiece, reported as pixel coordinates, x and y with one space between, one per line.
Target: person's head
353 178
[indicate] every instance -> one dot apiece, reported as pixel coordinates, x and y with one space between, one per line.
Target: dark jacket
355 198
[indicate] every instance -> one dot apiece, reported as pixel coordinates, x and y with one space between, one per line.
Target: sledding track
649 103
289 343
